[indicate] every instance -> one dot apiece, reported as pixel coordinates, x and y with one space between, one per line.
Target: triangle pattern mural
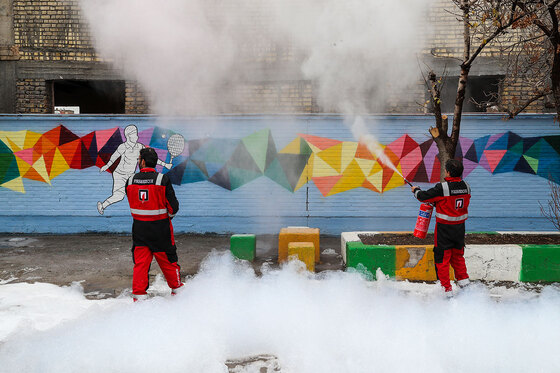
333 166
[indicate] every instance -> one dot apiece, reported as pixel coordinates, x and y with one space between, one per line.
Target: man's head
454 167
149 156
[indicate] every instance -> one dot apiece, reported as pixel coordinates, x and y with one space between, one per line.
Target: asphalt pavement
103 262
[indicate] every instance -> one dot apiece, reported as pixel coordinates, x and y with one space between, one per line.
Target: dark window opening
92 96
481 94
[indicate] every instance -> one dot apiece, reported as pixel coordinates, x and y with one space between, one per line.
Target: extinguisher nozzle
408 182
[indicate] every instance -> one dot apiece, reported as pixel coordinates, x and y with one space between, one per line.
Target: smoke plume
204 56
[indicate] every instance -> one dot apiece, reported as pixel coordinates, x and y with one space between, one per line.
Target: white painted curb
493 262
484 262
350 237
526 232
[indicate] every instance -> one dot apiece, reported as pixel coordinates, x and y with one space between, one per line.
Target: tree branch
444 123
552 211
433 53
543 28
537 22
498 31
554 16
466 31
436 100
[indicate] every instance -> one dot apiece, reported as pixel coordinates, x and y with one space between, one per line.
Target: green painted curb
367 258
540 263
243 246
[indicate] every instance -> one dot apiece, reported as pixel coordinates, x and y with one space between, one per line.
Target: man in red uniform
152 204
451 199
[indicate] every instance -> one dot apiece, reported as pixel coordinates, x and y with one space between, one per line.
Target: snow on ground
326 322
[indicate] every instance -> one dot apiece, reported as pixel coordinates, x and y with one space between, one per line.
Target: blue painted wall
505 201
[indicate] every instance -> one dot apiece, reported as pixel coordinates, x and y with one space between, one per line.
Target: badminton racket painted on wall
175 146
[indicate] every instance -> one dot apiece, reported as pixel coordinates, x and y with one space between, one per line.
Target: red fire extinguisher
423 220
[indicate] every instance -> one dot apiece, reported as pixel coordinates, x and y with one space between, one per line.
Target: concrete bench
404 262
243 246
305 252
297 234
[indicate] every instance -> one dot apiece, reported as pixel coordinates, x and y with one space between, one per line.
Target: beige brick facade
135 100
54 34
514 93
32 97
48 30
50 41
276 97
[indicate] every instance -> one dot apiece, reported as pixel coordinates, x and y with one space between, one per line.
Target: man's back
152 203
451 198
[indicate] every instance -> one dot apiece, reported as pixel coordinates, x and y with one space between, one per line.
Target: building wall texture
257 174
45 40
49 40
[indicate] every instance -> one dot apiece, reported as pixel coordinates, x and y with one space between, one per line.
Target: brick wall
55 34
135 99
48 30
276 97
446 33
33 96
54 31
410 101
517 92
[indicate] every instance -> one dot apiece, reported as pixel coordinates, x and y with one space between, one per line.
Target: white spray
360 132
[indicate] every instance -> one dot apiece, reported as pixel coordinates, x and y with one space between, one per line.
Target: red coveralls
451 199
152 204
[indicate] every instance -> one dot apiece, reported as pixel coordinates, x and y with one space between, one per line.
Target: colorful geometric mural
332 165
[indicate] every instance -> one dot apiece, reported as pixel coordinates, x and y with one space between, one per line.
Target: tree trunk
555 76
443 157
458 110
446 148
555 40
447 144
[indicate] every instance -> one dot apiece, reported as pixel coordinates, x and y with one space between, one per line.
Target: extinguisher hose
409 183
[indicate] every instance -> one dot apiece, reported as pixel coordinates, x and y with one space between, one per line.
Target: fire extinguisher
423 220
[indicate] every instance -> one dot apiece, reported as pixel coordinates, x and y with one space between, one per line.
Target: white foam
328 252
329 322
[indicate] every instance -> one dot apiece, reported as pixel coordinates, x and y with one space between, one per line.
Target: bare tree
483 21
552 209
534 58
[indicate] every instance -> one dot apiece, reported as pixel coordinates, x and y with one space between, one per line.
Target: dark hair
149 156
454 167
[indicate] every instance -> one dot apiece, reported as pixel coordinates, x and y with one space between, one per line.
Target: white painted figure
128 151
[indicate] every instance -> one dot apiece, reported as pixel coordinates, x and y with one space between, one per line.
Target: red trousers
456 258
142 260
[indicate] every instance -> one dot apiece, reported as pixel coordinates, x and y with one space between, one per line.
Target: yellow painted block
416 263
297 234
304 251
